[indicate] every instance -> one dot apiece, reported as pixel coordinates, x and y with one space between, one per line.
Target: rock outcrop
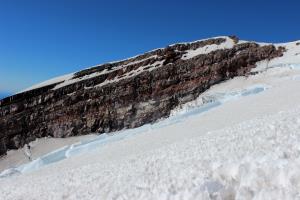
128 93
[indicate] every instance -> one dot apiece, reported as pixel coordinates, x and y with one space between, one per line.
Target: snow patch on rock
229 43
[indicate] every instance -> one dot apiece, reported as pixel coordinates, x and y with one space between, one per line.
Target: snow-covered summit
71 78
238 140
292 53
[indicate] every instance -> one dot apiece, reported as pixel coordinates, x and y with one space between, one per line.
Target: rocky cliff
128 93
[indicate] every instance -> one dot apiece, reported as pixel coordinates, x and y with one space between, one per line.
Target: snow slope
89 145
238 140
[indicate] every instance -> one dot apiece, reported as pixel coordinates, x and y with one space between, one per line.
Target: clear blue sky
41 39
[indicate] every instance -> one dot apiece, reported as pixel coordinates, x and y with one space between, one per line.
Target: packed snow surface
256 159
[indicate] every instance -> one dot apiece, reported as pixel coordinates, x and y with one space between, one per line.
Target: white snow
75 80
132 73
69 78
290 58
238 140
256 159
225 37
50 82
229 43
39 148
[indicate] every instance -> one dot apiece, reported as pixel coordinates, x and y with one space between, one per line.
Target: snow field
257 159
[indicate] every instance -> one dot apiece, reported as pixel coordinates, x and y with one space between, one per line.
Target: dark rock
139 96
3 148
234 38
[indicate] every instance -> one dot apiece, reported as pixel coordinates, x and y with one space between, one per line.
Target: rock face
128 93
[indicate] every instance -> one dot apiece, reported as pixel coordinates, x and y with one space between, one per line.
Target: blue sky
41 39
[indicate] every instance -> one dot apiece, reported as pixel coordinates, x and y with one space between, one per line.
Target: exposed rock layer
124 94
